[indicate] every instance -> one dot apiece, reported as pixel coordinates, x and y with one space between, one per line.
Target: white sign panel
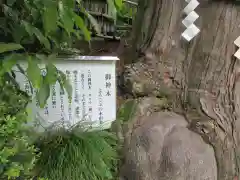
94 93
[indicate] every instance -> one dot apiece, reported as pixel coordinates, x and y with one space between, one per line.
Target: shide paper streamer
237 43
192 16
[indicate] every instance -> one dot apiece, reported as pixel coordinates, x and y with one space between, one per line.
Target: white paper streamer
237 43
192 16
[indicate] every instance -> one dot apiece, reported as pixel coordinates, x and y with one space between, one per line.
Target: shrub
17 155
77 155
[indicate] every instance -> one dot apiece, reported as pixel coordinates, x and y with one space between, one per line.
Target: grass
77 154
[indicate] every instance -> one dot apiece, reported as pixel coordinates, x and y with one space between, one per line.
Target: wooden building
111 26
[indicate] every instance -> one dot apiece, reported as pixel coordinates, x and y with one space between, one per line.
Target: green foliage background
17 154
37 31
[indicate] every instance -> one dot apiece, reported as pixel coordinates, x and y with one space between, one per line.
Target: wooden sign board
93 80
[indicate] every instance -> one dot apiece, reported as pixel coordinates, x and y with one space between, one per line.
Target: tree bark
204 71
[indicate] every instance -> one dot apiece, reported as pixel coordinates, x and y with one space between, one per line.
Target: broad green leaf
112 9
65 83
60 7
9 12
34 73
80 23
5 47
43 93
18 32
68 87
38 2
66 16
8 63
52 73
93 22
35 13
43 40
35 31
69 3
118 3
28 27
50 18
61 78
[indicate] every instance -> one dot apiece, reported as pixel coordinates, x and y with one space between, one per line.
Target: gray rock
161 147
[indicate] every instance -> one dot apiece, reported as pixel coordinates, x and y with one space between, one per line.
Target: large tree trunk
204 71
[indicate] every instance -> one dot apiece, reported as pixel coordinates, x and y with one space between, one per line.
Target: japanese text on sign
93 95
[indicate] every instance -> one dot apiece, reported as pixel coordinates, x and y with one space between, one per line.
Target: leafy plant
77 154
128 10
46 24
41 82
30 27
39 27
17 155
33 27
